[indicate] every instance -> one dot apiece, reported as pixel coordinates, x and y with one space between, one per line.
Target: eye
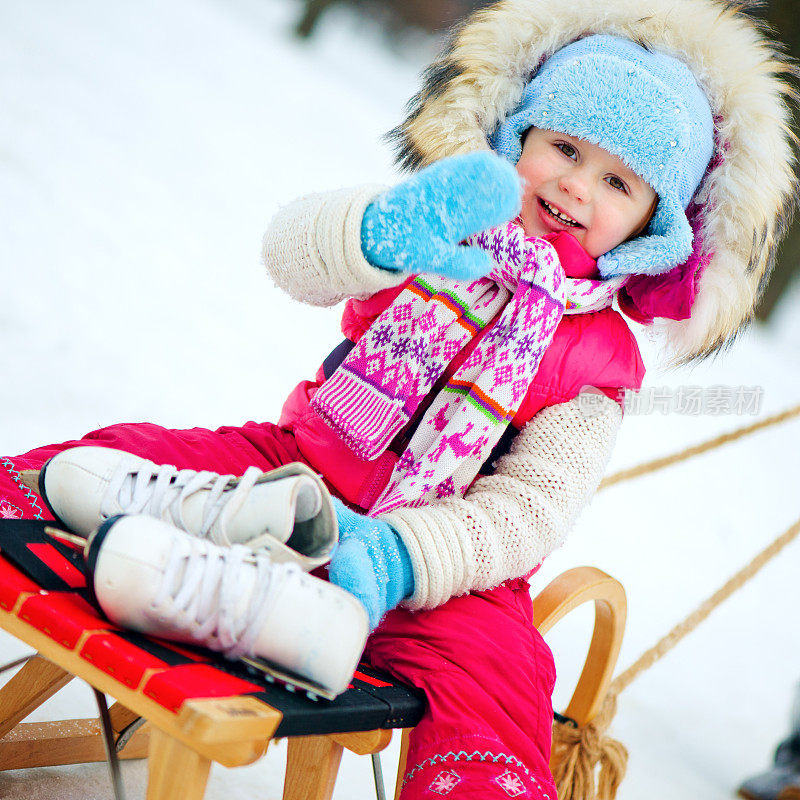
616 183
568 150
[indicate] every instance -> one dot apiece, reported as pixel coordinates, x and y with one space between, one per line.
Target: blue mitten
371 562
417 225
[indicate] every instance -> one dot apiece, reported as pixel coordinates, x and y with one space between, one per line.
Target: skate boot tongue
271 507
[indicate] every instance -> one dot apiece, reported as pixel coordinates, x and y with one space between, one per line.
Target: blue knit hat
644 107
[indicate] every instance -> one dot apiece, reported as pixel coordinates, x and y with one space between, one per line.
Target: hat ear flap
667 243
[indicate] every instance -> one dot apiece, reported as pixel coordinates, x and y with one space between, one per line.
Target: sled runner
196 706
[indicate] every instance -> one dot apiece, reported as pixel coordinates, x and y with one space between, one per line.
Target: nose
575 182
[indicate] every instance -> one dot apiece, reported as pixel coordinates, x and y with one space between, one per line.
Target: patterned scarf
374 393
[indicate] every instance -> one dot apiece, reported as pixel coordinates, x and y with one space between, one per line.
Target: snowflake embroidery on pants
511 783
7 511
445 782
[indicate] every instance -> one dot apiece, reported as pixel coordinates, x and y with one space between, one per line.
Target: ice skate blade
71 539
288 679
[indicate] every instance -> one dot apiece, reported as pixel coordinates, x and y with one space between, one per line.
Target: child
479 650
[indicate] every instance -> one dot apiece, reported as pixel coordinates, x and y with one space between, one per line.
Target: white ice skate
151 577
286 511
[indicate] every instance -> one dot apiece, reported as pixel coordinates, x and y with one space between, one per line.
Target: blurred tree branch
431 15
783 18
311 13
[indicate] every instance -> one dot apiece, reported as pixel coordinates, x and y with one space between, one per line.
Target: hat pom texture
745 196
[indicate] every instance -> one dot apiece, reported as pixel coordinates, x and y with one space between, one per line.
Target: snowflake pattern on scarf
394 366
467 418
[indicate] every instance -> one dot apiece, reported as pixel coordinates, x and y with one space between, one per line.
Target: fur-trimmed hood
746 198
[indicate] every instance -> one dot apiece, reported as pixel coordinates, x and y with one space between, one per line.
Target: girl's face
574 186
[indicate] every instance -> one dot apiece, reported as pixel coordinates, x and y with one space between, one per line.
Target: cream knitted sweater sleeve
312 248
510 520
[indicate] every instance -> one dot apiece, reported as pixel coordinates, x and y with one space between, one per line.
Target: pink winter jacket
593 349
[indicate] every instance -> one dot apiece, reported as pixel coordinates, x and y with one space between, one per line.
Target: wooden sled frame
236 731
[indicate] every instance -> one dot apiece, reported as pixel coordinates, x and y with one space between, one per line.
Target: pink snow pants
486 672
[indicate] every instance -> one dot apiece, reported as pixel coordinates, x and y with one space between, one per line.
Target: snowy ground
143 148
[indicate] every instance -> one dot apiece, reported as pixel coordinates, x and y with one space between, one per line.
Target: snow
143 148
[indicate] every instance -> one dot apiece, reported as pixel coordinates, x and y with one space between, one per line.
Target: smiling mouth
559 215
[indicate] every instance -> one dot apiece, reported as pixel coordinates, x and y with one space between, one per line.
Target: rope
587 763
704 447
685 627
578 753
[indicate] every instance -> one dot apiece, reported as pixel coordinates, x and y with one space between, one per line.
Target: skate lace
159 490
203 592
